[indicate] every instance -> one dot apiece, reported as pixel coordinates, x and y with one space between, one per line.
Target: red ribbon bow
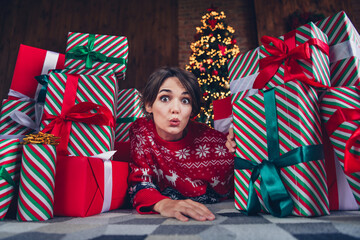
286 52
351 161
85 112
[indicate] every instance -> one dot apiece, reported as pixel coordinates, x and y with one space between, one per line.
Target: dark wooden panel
272 14
150 25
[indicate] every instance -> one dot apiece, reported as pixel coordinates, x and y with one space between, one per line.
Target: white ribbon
23 119
20 96
223 125
51 59
108 181
245 83
20 137
344 50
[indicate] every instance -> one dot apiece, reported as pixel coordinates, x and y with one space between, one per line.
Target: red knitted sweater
198 166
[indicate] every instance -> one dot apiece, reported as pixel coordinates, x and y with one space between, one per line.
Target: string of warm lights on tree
214 45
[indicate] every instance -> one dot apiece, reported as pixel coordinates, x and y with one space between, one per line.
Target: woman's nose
175 107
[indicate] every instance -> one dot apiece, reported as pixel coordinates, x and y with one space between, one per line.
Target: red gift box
32 62
222 114
86 186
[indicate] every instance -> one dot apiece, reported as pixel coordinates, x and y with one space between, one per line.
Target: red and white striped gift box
85 139
244 68
113 48
344 102
344 52
298 124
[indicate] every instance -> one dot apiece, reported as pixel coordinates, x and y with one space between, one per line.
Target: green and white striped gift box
97 51
10 164
85 139
37 183
244 68
344 42
128 110
293 123
10 127
344 98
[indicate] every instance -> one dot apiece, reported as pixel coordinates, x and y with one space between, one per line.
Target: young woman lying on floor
178 165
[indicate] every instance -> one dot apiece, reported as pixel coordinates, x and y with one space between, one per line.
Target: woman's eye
164 98
185 100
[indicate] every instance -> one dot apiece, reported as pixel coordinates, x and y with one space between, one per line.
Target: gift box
340 111
80 109
344 51
301 54
222 109
84 50
32 62
340 108
9 125
128 110
279 165
10 164
87 186
341 196
37 183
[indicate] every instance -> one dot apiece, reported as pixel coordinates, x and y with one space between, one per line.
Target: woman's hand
230 142
179 209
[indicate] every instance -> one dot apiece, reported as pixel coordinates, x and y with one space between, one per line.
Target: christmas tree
214 45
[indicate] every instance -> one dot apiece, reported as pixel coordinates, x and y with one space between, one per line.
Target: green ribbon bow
126 120
86 52
275 196
5 175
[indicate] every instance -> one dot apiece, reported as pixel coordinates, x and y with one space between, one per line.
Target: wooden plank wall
150 25
273 22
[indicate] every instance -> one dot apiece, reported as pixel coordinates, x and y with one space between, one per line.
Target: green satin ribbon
87 53
5 175
275 196
126 120
44 81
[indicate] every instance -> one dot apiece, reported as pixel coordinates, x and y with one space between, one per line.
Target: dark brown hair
187 79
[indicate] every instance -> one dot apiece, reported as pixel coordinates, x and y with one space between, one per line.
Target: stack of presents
72 99
295 110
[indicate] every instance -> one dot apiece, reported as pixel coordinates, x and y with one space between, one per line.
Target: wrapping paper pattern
128 109
317 66
344 42
298 125
347 98
10 161
33 62
85 139
345 72
339 28
110 46
37 183
10 127
244 68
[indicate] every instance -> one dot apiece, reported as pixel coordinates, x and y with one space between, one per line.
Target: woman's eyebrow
164 90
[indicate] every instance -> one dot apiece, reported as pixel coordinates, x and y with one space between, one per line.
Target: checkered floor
229 224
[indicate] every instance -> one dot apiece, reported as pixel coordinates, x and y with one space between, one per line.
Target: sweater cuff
145 199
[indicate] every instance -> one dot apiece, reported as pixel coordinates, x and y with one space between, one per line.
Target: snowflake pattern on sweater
198 166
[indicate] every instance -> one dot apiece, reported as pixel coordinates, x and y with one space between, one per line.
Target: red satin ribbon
85 112
286 52
351 161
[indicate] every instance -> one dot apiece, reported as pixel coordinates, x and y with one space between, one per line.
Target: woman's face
171 109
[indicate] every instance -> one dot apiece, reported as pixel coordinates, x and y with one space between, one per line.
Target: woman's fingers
180 217
202 209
